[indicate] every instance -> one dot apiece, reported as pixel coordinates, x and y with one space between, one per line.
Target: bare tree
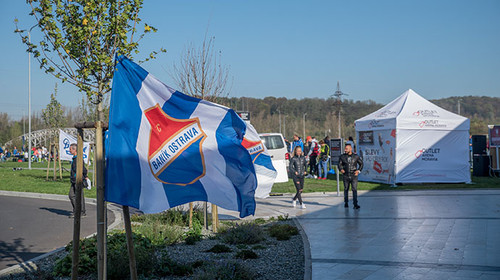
200 72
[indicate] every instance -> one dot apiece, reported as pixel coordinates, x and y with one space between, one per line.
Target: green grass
33 180
330 185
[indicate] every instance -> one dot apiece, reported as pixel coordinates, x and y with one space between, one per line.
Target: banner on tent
377 150
65 140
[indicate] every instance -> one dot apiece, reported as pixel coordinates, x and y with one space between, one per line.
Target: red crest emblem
175 148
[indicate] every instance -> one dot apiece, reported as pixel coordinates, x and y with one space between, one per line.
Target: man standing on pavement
72 189
350 164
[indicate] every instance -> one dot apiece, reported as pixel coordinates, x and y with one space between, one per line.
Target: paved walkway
34 224
449 234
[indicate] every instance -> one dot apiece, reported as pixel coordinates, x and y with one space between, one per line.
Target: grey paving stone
445 234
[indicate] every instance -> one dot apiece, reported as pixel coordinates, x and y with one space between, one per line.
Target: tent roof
412 111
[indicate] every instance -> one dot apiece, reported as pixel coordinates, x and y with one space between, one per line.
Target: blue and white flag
65 140
165 149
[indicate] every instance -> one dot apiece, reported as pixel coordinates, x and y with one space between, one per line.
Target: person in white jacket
313 156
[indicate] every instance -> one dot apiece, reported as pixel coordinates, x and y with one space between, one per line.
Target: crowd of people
37 154
315 156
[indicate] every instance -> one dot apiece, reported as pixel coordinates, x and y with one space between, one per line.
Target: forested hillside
321 115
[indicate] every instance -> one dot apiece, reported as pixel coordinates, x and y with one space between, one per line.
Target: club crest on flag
254 148
175 144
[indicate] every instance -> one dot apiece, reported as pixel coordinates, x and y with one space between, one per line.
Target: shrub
259 247
194 234
247 233
191 238
159 234
259 221
283 231
246 254
167 267
224 270
118 262
219 248
283 218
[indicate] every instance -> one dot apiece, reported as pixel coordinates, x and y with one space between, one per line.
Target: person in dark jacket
350 164
298 167
72 189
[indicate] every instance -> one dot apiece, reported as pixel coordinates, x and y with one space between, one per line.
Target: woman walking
298 167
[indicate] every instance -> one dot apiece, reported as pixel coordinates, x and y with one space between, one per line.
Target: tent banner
425 156
65 140
377 148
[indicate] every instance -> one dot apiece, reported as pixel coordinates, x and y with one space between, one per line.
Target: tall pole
78 205
284 126
304 125
339 123
459 106
101 205
338 94
279 117
29 101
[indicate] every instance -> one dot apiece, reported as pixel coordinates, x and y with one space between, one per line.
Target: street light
304 125
29 98
279 117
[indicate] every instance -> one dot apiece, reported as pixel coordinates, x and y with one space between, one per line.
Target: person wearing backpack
324 155
313 156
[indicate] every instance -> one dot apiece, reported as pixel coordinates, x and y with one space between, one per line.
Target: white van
276 147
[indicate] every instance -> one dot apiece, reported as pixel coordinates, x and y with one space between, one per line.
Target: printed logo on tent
426 113
431 123
393 133
175 144
254 148
429 154
375 123
386 113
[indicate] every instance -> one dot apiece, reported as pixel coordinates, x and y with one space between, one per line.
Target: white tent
411 140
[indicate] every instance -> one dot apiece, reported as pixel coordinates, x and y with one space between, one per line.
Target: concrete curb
307 250
30 265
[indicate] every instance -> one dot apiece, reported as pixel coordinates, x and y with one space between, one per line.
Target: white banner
426 156
65 140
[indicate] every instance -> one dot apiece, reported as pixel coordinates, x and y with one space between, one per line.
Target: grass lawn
330 185
34 180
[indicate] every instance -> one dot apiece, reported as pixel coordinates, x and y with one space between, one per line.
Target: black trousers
72 197
313 164
299 185
352 182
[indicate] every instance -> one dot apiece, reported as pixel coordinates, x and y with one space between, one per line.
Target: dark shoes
71 216
346 205
356 207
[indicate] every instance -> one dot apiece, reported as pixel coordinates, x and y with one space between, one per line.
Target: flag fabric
65 140
165 148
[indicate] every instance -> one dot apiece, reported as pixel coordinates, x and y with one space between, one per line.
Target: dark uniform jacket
73 171
350 163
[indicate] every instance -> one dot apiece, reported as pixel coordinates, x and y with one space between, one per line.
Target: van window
273 142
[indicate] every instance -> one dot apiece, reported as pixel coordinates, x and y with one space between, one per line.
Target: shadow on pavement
16 252
57 211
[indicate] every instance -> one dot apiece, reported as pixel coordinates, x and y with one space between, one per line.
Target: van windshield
273 142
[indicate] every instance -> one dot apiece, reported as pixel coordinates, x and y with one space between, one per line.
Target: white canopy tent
411 140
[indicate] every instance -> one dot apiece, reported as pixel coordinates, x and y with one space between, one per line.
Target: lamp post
29 100
304 125
279 117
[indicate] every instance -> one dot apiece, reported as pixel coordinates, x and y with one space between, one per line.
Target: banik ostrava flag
165 148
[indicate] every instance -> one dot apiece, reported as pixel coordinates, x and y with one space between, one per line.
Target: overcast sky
376 49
